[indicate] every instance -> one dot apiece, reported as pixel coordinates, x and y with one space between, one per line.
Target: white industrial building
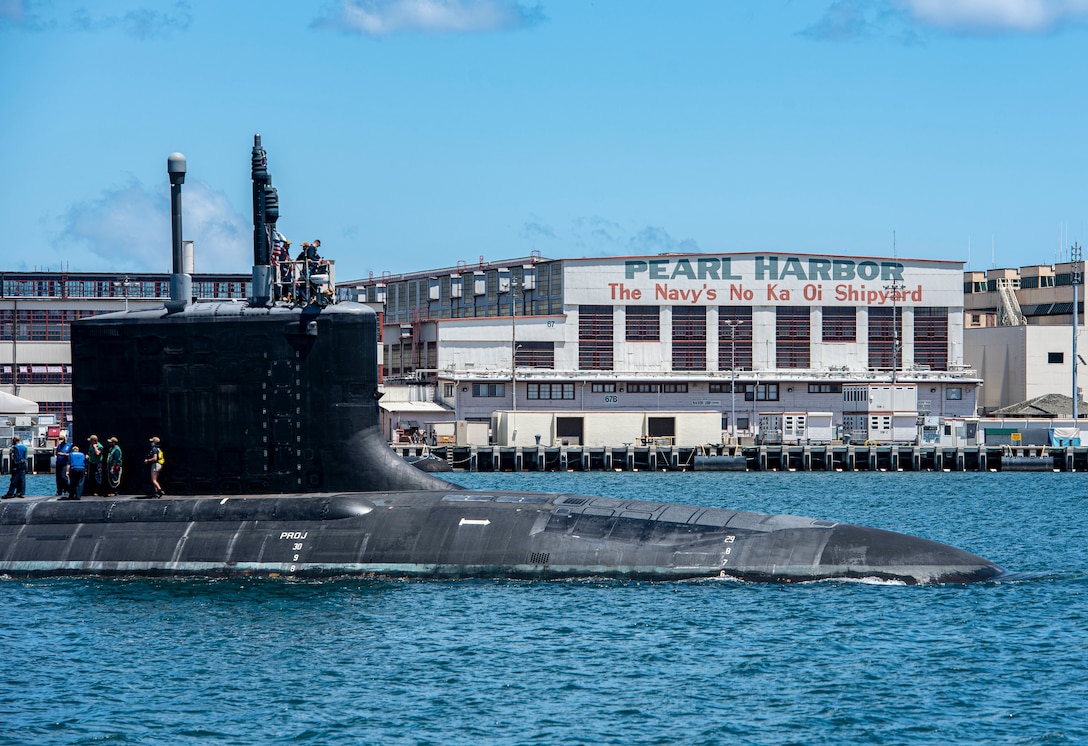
1019 333
598 341
581 338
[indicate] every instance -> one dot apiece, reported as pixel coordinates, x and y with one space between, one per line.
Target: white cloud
601 236
656 240
129 228
987 16
385 17
844 20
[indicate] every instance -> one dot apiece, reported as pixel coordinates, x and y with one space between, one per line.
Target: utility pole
733 324
513 349
896 290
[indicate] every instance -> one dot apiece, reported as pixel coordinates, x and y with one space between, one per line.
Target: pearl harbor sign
765 280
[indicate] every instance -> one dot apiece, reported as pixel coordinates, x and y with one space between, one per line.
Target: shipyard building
1019 330
677 347
674 348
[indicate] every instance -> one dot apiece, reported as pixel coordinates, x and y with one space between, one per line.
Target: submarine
275 466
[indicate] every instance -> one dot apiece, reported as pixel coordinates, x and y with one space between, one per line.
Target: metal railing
301 282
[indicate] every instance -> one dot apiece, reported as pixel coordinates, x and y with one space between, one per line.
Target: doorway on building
661 430
569 430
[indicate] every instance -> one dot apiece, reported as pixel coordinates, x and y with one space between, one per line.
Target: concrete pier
824 457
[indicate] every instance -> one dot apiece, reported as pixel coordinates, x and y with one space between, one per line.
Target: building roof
1047 405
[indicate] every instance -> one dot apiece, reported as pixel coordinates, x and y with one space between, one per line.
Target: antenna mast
896 289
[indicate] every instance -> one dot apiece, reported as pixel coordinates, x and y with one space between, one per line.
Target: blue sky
411 134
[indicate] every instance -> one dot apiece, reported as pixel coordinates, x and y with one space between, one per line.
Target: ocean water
590 661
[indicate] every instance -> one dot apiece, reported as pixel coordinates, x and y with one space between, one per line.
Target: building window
722 388
953 394
840 324
643 324
41 325
489 389
644 388
792 328
1055 357
931 337
689 338
62 410
825 388
742 422
35 375
603 388
595 337
447 390
534 355
885 326
760 391
674 388
734 337
549 391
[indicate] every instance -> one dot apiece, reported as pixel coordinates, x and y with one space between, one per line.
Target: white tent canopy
11 404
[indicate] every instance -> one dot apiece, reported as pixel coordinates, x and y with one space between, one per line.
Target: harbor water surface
590 661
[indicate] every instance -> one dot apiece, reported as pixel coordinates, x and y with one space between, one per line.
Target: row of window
41 325
32 375
471 294
113 286
689 332
549 391
793 335
750 391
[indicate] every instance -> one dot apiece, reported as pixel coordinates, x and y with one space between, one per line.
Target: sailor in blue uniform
17 485
62 450
77 470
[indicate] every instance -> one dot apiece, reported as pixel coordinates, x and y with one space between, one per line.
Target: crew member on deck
281 267
77 471
61 451
113 467
95 461
156 459
17 485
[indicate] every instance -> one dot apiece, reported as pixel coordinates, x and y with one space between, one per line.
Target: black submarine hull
275 466
457 534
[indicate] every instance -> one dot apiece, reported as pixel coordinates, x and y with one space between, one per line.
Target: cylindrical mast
266 211
181 283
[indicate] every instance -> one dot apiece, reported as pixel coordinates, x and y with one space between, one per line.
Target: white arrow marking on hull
474 522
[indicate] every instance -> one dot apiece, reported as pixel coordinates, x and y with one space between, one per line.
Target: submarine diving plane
268 412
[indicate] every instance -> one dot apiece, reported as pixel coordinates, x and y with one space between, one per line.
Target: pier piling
830 457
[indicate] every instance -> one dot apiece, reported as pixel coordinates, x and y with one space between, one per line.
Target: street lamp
733 324
125 284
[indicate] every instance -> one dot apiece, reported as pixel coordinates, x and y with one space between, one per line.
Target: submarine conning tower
247 398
